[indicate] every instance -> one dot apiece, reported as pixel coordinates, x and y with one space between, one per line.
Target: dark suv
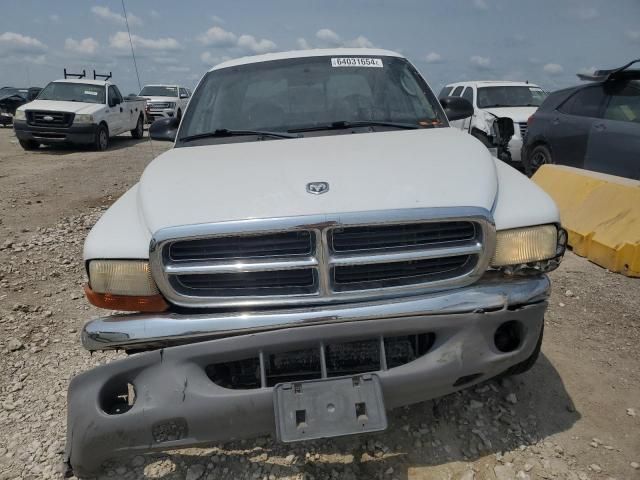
595 126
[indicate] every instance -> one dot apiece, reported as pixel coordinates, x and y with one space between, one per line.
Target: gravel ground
575 415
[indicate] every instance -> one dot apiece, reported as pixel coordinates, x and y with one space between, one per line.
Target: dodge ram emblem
317 188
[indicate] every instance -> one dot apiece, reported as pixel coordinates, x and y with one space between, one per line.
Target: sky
544 41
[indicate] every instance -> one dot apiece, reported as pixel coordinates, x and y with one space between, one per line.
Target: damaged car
493 100
11 98
318 247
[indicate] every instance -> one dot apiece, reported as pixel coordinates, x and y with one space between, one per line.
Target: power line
135 64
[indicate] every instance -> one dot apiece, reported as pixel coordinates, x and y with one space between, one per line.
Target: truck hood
517 114
60 106
440 167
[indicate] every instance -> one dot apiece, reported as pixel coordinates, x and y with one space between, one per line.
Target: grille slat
248 283
399 273
400 236
220 248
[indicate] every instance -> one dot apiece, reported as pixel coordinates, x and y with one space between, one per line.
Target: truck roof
315 52
492 83
100 83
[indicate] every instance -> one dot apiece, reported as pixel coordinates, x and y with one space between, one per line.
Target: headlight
83 118
20 115
121 277
526 245
171 105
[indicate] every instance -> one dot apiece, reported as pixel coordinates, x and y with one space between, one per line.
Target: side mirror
164 129
456 108
182 95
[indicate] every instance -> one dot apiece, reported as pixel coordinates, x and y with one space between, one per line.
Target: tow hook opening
117 397
508 336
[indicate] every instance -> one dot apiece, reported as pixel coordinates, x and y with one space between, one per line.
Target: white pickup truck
318 247
165 101
78 111
497 99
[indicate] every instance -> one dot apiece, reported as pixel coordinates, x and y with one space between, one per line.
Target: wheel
526 365
29 144
138 132
540 155
179 115
101 142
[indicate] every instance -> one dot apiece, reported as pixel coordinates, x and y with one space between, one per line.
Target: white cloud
120 41
303 44
218 37
105 13
86 46
328 36
480 5
249 43
433 57
54 17
210 59
633 35
359 42
165 60
553 69
331 39
587 70
480 62
17 43
585 13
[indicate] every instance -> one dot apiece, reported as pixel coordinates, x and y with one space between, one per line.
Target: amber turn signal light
150 303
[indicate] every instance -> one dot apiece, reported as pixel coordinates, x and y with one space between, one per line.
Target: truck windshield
324 95
158 91
507 96
73 92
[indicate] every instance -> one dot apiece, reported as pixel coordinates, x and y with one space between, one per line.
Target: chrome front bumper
144 331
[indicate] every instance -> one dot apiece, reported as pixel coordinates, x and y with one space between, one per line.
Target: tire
526 365
29 144
138 132
101 142
179 115
540 155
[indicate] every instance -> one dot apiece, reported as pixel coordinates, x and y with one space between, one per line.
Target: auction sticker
356 62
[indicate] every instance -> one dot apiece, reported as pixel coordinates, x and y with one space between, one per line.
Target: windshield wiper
342 124
223 132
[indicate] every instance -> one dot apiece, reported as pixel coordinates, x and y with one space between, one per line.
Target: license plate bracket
329 407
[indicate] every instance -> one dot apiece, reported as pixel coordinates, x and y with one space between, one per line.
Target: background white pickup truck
495 99
79 112
165 101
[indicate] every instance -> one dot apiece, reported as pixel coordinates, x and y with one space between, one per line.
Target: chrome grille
49 119
158 105
321 259
523 129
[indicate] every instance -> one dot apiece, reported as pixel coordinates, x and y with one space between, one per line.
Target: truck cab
80 112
